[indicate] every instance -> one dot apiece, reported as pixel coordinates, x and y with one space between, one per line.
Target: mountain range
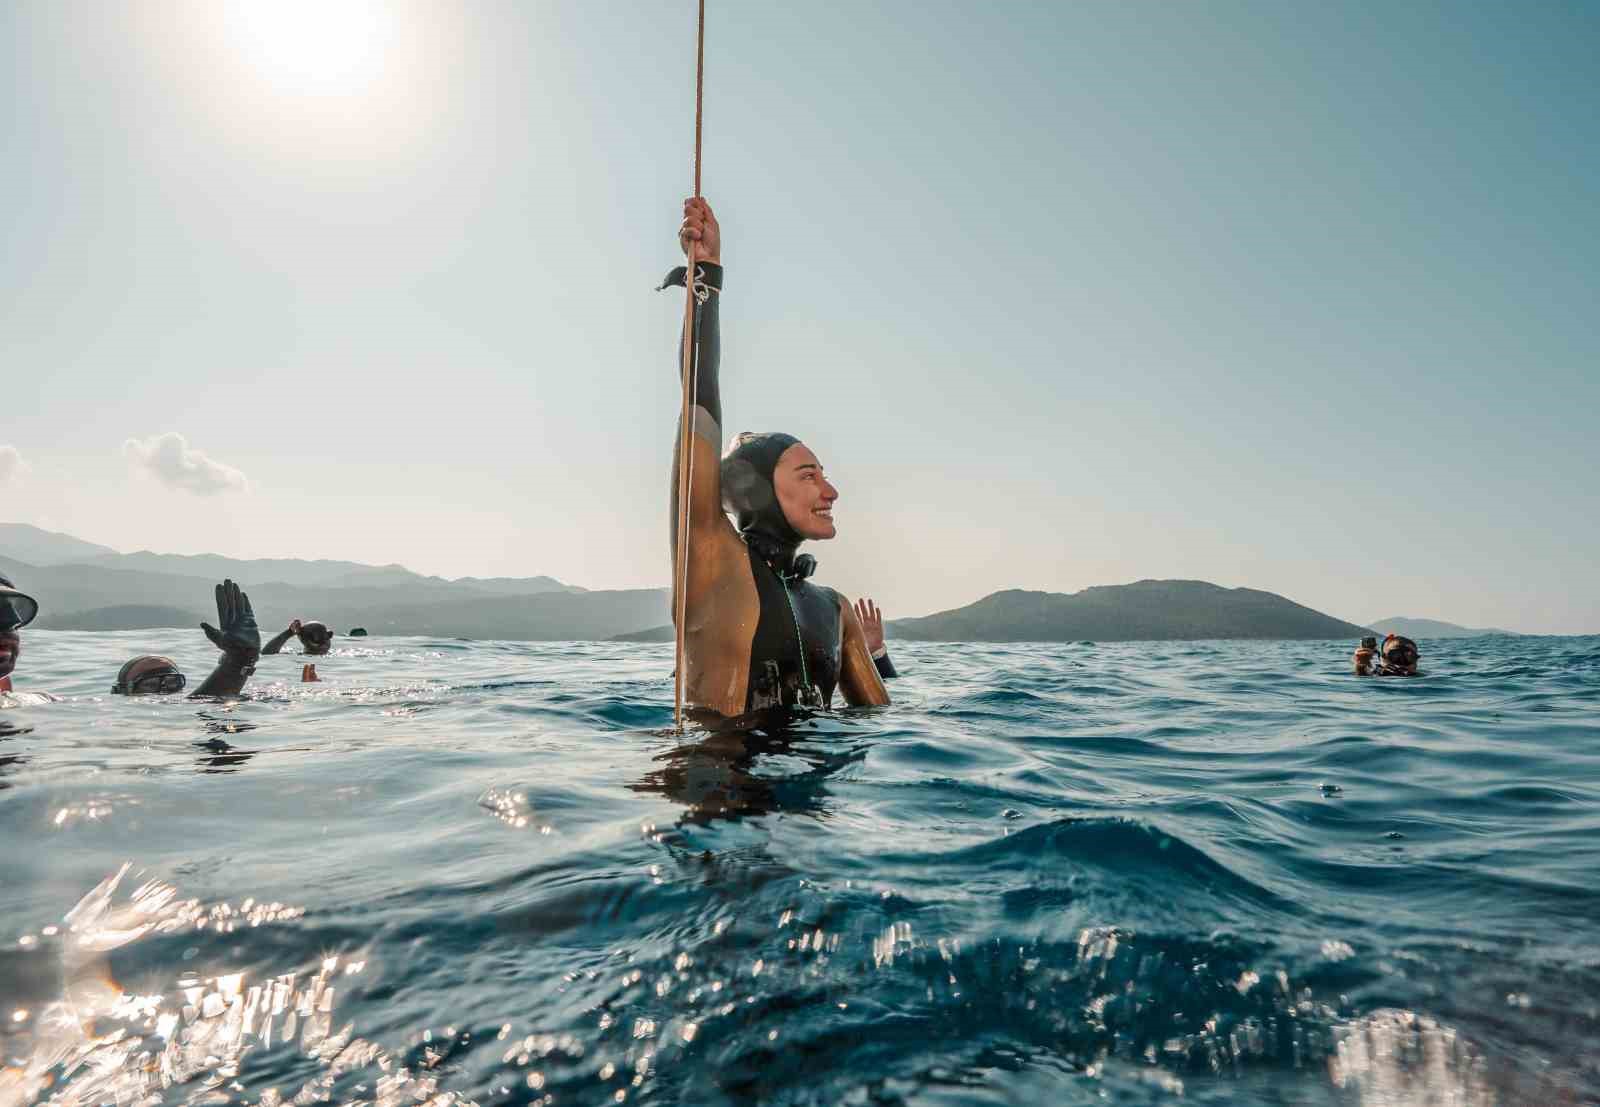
84 586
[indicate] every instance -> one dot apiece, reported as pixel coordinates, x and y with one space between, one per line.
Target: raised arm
276 642
701 330
237 636
858 676
871 620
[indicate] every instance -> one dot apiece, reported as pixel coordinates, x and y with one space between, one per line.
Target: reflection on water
780 764
222 756
9 760
97 1042
75 1036
1397 1057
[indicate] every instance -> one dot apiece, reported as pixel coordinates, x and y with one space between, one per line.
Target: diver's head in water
149 674
775 489
16 611
1400 656
315 637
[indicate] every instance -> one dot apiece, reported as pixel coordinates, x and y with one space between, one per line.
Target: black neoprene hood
751 497
748 492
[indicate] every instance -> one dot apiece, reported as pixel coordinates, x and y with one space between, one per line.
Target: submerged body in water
1063 873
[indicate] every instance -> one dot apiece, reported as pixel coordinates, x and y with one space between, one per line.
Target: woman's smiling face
804 493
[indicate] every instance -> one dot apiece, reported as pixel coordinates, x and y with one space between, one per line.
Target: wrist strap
881 651
708 277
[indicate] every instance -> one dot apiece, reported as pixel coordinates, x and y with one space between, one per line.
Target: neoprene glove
239 637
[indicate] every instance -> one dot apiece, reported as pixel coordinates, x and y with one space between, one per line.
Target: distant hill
1145 611
653 634
516 586
1430 628
545 617
63 589
46 547
126 617
288 570
92 596
314 574
83 586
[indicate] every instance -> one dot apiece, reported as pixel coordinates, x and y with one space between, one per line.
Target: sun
313 48
313 83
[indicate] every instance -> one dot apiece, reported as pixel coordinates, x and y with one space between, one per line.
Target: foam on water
487 873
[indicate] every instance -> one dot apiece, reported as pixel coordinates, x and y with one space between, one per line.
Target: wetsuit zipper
800 643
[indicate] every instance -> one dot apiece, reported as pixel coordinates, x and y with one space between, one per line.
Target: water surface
474 871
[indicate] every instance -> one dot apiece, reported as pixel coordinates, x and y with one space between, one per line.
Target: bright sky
1295 296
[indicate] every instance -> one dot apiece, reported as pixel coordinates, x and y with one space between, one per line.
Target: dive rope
691 367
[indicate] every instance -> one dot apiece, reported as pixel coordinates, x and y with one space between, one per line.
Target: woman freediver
758 633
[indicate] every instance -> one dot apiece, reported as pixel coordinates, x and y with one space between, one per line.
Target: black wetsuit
792 609
795 652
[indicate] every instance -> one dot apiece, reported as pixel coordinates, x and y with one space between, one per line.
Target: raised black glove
238 638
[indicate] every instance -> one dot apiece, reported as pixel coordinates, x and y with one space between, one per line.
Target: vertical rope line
699 89
690 374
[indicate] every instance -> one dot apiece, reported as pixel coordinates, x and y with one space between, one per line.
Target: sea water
1221 872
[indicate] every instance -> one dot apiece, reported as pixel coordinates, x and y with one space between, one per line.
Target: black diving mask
16 609
1400 652
160 682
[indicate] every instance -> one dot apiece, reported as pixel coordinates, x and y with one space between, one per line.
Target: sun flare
314 47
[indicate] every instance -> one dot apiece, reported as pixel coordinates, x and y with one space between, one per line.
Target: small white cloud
172 461
12 467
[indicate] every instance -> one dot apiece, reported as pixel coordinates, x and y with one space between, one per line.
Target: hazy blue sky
1295 296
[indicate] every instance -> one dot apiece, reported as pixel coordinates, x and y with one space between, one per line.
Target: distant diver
235 634
315 638
1397 657
758 633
